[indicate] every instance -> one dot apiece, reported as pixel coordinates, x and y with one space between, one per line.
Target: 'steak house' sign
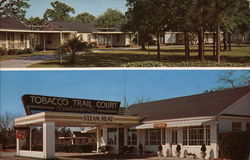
38 103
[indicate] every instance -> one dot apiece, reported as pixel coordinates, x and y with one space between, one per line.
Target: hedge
74 148
234 145
19 51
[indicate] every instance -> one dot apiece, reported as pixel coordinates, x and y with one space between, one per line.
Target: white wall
225 124
167 150
170 38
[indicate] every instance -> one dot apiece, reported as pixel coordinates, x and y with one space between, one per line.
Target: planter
177 154
203 155
191 156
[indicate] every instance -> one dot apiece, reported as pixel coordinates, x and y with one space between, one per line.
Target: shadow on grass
121 58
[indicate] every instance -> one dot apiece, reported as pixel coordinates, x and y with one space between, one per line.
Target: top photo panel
124 33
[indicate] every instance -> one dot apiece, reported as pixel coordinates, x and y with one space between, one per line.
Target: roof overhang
76 119
35 31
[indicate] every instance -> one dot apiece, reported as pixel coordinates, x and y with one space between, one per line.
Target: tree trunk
218 44
186 43
188 47
229 42
214 44
158 46
200 44
225 40
143 44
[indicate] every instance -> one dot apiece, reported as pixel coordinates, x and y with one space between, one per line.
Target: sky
110 85
94 7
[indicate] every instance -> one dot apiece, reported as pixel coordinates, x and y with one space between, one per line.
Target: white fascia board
34 31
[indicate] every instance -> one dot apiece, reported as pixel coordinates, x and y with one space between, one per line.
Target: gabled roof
207 104
70 26
12 23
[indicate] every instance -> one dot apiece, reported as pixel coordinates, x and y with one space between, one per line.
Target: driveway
25 61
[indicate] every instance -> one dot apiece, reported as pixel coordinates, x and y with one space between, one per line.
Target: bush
181 64
234 145
144 64
178 148
19 51
74 148
3 51
203 148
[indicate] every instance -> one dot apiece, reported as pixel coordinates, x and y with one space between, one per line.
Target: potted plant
203 151
191 155
178 151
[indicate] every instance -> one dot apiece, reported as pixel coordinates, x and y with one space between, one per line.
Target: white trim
35 31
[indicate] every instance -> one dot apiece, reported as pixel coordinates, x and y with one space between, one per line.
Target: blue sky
95 7
108 85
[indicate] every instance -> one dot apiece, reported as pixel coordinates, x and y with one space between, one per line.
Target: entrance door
121 140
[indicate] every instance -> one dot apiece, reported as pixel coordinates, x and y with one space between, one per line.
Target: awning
190 123
172 124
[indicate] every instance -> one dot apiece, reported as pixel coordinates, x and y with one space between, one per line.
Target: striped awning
172 124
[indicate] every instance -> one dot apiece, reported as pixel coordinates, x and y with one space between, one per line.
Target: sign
21 134
160 125
38 103
97 118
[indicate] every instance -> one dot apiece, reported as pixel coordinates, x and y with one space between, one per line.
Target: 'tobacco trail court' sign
38 103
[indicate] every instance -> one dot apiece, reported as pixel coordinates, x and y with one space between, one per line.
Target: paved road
25 61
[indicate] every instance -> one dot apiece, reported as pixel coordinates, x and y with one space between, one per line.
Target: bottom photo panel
125 114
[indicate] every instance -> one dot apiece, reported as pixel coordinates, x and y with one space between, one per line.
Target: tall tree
14 8
111 19
60 12
33 21
181 11
85 18
149 17
234 79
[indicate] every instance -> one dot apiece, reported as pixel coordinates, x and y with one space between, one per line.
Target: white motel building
189 121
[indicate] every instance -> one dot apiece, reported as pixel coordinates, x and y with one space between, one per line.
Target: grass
170 57
38 53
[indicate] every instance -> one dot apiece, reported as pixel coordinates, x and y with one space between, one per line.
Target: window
196 135
208 135
248 127
118 38
49 39
155 136
132 137
89 37
112 136
21 37
185 137
236 126
174 136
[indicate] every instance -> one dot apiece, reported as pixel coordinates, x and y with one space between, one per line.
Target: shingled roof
12 23
70 26
207 104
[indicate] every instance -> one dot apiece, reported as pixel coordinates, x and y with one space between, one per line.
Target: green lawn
7 57
170 57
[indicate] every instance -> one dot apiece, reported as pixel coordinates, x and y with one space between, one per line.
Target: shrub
13 52
178 148
203 148
234 145
19 51
74 148
3 51
144 64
